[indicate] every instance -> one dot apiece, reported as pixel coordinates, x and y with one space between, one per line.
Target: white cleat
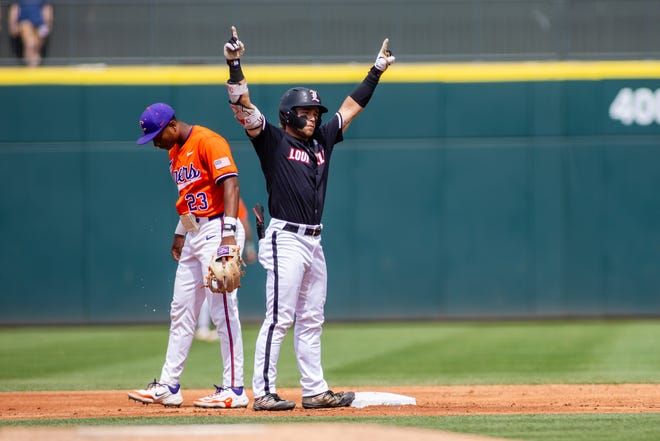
224 398
158 393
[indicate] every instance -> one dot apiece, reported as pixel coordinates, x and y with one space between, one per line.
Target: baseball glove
225 270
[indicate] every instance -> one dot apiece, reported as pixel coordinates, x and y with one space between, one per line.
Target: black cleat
328 399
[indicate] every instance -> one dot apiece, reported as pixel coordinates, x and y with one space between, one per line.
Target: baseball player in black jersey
295 159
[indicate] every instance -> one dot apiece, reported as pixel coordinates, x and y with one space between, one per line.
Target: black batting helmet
299 97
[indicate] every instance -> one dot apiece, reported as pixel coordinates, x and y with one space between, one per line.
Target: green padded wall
447 200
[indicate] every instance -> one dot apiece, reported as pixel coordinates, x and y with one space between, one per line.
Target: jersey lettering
320 157
298 155
184 175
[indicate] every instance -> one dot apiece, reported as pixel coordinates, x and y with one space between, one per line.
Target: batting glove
384 58
234 48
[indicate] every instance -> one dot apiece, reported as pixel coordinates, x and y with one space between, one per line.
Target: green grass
591 427
90 358
624 351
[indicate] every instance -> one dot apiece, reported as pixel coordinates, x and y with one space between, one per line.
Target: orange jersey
197 167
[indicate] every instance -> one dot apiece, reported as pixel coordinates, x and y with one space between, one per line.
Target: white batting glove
234 48
384 58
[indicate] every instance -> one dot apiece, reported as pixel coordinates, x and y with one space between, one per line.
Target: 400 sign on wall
639 106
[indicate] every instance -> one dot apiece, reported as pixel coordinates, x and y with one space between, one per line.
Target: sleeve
220 162
331 132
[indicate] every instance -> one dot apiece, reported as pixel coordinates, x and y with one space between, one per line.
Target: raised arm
357 101
246 113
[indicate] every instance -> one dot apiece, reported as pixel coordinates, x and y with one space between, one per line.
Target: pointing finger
383 50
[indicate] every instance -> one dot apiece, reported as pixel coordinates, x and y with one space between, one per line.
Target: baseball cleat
158 393
328 399
272 402
224 398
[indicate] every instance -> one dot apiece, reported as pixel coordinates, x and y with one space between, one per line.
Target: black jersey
296 171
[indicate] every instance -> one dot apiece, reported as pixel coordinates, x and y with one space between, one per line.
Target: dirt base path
431 401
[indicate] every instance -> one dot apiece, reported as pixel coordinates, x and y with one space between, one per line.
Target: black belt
294 228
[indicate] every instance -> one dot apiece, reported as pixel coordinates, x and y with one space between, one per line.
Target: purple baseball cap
153 120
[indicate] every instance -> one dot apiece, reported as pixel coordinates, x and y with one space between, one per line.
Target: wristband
235 71
228 233
229 226
362 94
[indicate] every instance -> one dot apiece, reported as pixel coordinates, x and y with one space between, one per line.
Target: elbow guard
249 117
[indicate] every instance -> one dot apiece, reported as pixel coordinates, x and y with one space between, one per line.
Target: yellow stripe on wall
331 73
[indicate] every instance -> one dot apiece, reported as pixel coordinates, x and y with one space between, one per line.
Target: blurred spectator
30 23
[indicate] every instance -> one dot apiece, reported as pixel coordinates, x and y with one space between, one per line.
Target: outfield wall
475 190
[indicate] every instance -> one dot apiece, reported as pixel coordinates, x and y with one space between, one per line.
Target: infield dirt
431 401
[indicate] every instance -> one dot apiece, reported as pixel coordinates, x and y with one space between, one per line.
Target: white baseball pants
296 288
189 294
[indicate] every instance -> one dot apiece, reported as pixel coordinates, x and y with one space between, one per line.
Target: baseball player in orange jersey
206 176
295 159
